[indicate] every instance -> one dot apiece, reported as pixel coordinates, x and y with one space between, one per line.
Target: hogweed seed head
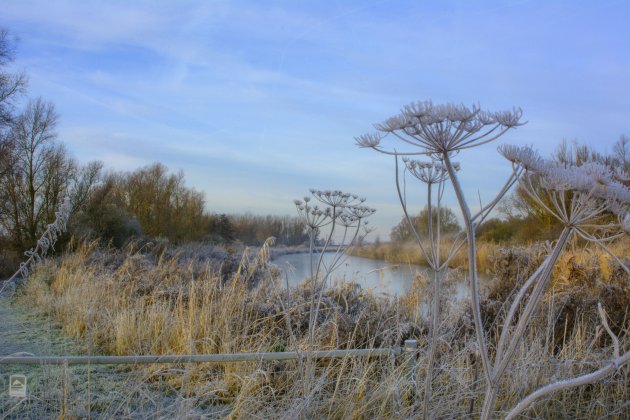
442 128
509 119
347 220
368 140
593 187
428 172
347 209
523 156
361 212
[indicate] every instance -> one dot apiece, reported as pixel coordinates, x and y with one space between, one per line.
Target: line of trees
151 201
255 229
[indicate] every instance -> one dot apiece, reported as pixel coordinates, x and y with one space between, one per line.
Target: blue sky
258 101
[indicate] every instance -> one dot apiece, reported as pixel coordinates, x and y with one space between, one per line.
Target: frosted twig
44 244
589 378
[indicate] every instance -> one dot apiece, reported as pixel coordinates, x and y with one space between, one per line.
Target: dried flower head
360 212
439 129
336 198
575 195
368 140
428 172
523 156
342 207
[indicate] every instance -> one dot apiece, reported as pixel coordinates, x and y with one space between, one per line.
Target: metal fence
95 387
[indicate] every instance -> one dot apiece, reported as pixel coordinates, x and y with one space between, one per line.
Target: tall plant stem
315 304
524 319
589 378
434 238
435 322
472 270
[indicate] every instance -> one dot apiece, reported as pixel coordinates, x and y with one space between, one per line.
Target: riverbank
489 254
409 253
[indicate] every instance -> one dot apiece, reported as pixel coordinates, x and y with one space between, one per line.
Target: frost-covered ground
78 391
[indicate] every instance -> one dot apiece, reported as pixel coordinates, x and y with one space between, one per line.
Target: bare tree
87 178
11 85
37 172
621 152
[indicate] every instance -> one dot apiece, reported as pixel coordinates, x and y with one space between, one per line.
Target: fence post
410 357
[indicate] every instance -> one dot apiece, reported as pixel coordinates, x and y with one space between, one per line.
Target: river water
381 277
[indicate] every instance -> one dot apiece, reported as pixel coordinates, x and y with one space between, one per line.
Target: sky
258 101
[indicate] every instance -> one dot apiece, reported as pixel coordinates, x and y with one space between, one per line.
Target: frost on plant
44 244
582 197
439 129
334 220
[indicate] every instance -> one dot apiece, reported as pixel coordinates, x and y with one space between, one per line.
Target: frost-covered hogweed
428 172
583 197
339 217
594 188
336 206
525 157
438 129
441 131
336 198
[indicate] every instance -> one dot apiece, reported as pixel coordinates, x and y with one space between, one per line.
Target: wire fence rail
29 359
91 389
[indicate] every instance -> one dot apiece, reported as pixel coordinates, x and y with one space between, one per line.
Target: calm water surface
379 276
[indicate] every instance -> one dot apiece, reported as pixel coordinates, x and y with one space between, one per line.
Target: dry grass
149 303
409 253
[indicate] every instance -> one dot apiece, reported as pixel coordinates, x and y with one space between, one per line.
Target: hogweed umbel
441 129
341 218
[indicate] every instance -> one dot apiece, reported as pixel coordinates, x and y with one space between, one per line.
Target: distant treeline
151 201
115 207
